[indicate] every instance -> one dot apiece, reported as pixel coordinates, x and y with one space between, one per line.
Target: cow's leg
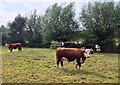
58 63
83 59
58 60
78 63
76 66
61 63
11 49
19 49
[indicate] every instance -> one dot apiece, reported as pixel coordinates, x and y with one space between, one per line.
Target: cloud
5 15
9 9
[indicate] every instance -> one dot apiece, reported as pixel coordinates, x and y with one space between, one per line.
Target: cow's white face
97 48
6 44
87 53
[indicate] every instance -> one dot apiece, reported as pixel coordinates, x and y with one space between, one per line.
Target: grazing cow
14 46
71 54
95 48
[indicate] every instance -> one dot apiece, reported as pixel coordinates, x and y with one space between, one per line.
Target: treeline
100 25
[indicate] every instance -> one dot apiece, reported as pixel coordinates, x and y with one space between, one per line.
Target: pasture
37 65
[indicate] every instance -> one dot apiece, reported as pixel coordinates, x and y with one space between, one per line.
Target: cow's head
87 52
6 45
97 48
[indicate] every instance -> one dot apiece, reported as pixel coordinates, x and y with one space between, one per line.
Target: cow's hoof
57 67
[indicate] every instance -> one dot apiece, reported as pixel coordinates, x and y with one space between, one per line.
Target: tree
59 24
4 31
17 29
99 17
117 32
117 20
33 30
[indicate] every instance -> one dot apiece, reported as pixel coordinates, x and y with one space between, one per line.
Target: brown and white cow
71 54
14 46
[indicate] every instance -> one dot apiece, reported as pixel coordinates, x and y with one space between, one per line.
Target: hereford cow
14 46
71 54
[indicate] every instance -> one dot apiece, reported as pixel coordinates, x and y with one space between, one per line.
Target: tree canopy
17 29
59 23
33 30
100 19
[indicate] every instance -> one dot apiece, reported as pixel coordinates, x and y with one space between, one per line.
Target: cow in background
14 46
94 47
65 44
71 54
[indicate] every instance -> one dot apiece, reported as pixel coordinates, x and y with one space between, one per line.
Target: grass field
37 65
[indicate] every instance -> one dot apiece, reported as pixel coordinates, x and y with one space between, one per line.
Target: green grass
37 65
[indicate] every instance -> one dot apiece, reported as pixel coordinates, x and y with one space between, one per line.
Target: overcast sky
9 9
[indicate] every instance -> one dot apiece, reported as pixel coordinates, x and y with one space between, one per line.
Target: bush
109 46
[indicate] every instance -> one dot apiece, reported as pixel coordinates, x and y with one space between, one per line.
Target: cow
65 44
94 47
14 46
71 54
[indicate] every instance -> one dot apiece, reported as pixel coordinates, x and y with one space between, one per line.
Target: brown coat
14 46
70 54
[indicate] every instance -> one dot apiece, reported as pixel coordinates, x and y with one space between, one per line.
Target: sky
9 9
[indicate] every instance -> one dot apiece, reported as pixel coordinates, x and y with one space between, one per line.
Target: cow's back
14 46
70 53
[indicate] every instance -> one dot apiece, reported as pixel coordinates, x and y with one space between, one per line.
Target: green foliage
33 30
117 20
87 37
4 34
100 18
17 29
59 23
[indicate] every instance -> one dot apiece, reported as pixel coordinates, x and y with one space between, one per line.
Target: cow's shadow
82 72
